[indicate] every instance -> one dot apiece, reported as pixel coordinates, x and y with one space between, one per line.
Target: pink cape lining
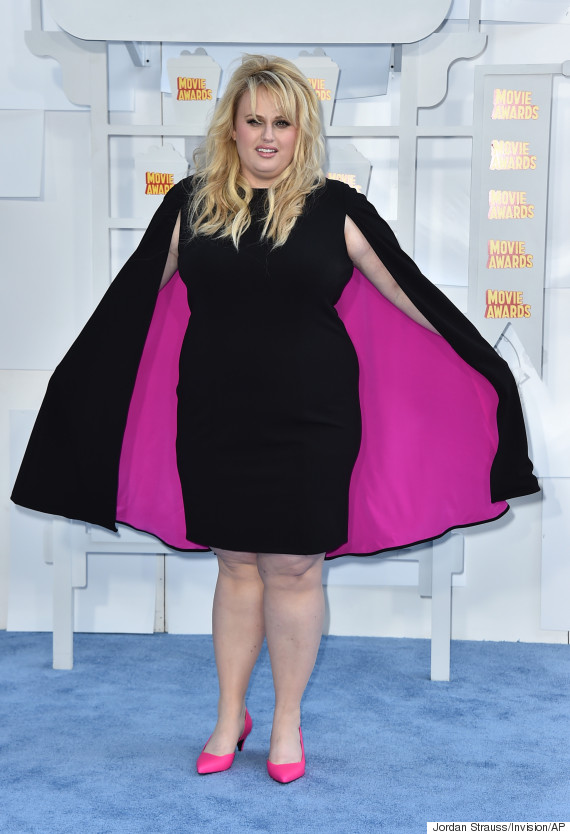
429 432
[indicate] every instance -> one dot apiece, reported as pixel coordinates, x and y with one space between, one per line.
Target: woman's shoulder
338 192
179 196
338 188
184 187
330 189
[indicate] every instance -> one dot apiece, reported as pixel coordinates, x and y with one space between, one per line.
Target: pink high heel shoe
291 770
209 763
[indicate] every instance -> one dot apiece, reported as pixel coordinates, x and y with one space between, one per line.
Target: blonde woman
271 403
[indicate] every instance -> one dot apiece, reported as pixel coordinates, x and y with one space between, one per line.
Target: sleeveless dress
269 422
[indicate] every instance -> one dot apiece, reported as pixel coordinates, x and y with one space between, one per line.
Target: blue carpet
110 746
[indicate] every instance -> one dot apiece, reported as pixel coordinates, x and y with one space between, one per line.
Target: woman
268 397
265 135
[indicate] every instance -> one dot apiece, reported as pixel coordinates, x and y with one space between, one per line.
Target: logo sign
508 219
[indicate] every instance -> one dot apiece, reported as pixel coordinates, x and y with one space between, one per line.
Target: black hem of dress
328 558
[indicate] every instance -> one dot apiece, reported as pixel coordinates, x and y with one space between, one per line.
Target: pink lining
428 419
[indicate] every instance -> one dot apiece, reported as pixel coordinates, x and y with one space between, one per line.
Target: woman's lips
262 150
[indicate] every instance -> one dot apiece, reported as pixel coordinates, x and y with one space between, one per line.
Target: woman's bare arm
171 264
367 261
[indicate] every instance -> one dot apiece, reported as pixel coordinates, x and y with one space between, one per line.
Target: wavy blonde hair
220 204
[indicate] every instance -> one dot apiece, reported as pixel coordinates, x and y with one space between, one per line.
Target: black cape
71 465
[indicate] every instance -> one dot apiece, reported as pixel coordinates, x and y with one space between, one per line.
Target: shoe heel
246 730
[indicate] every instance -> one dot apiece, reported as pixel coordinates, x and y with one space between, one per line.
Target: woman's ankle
231 709
285 716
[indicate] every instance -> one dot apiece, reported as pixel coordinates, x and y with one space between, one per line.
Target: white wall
46 290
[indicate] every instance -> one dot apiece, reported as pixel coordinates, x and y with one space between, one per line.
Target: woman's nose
267 132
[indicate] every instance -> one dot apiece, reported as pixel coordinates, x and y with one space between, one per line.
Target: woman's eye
281 123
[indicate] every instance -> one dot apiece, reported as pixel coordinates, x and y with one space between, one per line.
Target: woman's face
265 142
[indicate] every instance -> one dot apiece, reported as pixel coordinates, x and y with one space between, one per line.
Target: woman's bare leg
293 606
238 631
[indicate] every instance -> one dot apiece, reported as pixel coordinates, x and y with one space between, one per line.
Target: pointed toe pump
290 771
208 763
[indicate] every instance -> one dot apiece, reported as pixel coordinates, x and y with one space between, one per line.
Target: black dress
268 407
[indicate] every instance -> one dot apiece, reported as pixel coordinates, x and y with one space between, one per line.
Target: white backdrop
46 296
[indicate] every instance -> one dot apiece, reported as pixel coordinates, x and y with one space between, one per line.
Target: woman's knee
236 563
290 570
